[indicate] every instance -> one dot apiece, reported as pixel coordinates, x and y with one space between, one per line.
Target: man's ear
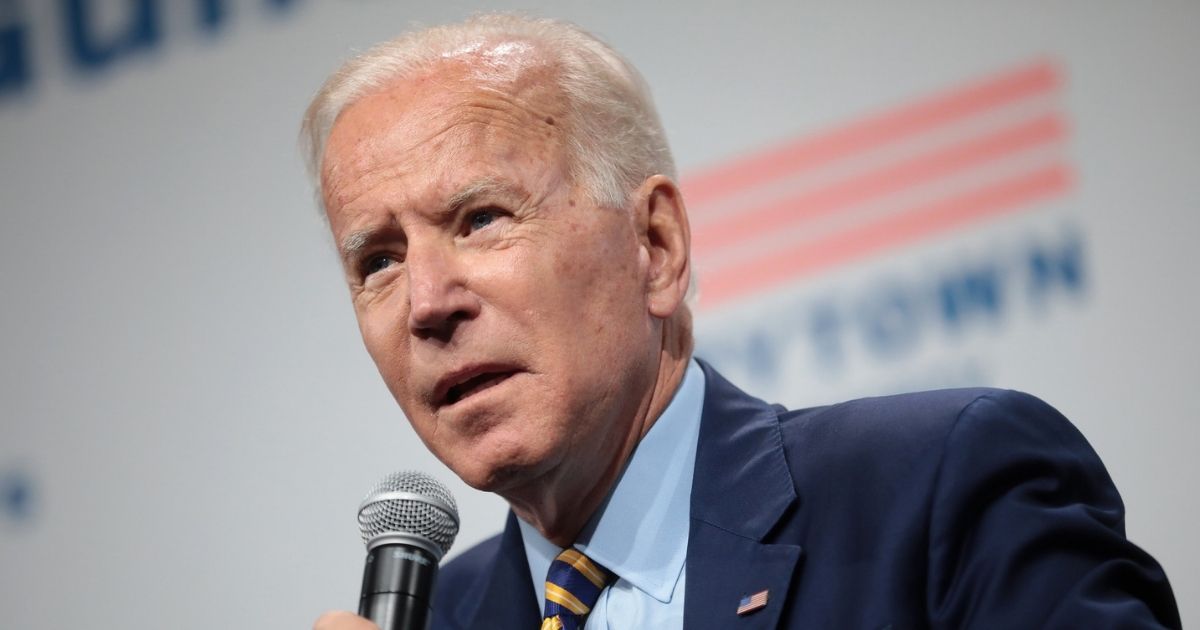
663 230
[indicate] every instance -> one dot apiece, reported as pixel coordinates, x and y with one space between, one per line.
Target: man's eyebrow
479 188
355 242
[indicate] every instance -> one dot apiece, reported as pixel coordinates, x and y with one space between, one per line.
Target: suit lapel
723 568
507 600
741 488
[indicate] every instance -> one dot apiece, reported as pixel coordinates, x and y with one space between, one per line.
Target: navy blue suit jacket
970 508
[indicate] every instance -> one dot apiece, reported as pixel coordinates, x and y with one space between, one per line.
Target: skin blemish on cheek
550 120
571 202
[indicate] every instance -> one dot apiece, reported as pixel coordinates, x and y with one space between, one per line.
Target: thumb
342 620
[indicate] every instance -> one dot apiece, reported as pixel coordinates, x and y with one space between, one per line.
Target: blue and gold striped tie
573 584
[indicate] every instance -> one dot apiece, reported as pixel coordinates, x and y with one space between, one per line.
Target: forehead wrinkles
454 107
506 88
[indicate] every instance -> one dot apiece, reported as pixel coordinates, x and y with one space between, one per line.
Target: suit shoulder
906 429
914 413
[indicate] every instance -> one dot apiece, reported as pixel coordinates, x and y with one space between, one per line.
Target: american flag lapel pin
751 603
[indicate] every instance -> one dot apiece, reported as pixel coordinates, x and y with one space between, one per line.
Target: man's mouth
466 383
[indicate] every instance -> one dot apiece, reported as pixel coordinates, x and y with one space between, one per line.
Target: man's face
505 311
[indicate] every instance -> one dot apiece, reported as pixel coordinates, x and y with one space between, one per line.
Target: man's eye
377 263
482 218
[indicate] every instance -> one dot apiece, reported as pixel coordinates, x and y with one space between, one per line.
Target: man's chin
503 478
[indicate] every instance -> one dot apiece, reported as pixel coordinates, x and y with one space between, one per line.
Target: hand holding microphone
343 620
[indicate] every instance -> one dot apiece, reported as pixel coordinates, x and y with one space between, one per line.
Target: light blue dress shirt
640 533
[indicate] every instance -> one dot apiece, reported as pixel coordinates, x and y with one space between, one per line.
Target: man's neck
560 515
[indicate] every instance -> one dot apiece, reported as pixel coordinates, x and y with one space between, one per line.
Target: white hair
614 139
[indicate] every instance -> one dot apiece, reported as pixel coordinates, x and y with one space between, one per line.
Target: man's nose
439 299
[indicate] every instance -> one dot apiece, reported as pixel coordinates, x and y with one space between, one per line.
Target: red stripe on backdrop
707 186
1010 195
743 226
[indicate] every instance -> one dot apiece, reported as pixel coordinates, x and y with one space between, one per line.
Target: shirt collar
640 532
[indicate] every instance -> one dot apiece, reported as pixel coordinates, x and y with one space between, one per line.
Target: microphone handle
398 587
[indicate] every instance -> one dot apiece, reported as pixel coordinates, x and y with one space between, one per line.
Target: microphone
408 522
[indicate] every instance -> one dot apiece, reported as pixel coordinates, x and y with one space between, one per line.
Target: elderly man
504 202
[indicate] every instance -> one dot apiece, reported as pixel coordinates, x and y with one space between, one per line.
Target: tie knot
573 584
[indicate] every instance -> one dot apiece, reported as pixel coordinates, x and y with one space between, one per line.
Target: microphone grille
410 504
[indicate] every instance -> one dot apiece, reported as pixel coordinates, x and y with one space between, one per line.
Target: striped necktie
573 584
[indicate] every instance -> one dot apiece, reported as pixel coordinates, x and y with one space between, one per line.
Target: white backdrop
189 419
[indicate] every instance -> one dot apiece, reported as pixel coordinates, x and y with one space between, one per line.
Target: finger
342 620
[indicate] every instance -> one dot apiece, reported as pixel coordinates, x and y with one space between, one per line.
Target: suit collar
646 552
507 601
741 489
742 482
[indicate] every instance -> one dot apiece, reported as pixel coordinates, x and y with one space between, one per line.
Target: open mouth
474 384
